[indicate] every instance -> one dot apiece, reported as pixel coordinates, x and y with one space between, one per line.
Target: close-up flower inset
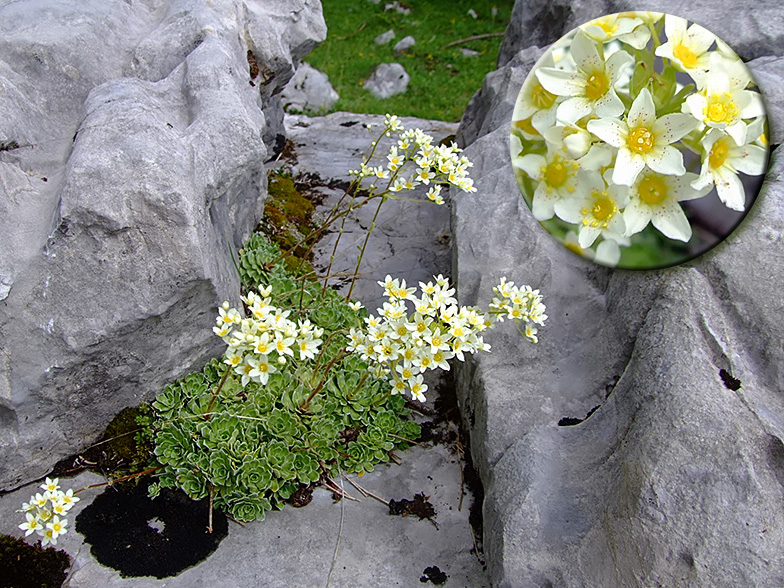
639 140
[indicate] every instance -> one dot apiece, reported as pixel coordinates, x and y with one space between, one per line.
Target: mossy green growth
31 566
288 219
259 443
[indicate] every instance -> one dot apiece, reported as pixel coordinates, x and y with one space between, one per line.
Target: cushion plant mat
139 536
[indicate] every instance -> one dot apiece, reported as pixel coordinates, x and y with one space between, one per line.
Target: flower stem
216 392
364 246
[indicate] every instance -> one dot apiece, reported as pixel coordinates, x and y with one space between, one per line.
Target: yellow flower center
596 85
718 154
607 26
641 140
652 190
540 97
685 55
556 174
263 368
721 109
526 126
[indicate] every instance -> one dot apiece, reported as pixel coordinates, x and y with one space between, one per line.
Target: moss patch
31 566
288 216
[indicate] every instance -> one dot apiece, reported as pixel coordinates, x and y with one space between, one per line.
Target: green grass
443 80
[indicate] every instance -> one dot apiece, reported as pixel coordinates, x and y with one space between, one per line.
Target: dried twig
366 493
332 486
473 38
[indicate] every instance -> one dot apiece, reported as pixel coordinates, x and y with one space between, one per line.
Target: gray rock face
309 91
387 80
668 476
754 31
138 170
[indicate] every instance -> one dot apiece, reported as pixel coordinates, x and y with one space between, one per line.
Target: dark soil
420 507
31 566
301 497
139 536
433 574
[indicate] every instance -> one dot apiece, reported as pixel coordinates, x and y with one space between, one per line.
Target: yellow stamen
718 155
541 98
685 55
652 190
596 85
641 140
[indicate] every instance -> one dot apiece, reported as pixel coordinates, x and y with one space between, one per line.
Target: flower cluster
265 339
432 164
521 304
606 134
403 345
44 512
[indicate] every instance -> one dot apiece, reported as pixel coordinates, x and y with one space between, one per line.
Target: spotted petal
667 161
643 111
673 127
670 220
609 130
627 167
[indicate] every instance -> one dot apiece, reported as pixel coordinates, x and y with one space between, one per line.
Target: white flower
535 108
626 27
591 87
724 101
654 198
57 527
643 140
597 209
557 177
687 49
31 525
723 159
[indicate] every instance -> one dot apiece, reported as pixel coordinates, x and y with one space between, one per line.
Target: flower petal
636 216
667 161
609 105
627 167
608 253
642 111
542 205
730 190
609 130
559 82
670 220
585 53
531 164
587 236
673 127
574 109
750 160
568 209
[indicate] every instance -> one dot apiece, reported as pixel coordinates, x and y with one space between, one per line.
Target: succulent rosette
624 124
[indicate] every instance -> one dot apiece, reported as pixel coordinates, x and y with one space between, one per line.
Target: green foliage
443 80
254 446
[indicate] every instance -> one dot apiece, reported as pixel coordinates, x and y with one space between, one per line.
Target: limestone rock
669 473
138 171
385 38
309 91
387 80
404 43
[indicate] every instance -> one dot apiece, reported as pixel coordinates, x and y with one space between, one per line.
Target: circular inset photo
639 140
